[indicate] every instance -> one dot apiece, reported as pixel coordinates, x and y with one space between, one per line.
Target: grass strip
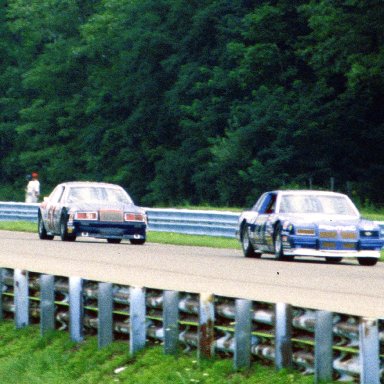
192 240
19 226
28 358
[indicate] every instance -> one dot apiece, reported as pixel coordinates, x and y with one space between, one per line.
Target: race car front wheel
278 245
246 244
367 261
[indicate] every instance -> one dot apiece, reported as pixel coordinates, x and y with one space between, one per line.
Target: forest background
193 101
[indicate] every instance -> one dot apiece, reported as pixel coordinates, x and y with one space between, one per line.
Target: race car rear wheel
43 235
114 241
64 235
137 241
367 261
246 244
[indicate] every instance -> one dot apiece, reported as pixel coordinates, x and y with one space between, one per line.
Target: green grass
27 358
21 226
376 216
193 240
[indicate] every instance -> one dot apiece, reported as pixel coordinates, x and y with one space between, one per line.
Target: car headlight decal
306 231
287 226
369 233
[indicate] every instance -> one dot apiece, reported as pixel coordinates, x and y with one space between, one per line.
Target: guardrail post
137 324
369 351
21 291
206 337
323 346
76 308
171 321
105 314
1 293
283 335
47 303
243 325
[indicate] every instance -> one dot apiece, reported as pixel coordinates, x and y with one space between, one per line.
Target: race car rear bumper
107 230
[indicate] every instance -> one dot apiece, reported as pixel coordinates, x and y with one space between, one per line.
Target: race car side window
271 204
268 205
56 194
259 203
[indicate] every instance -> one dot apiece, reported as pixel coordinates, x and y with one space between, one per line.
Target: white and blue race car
91 209
290 223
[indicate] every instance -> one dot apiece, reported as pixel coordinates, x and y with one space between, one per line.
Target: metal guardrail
381 225
10 211
325 344
193 222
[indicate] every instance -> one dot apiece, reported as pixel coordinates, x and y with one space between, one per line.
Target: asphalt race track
309 283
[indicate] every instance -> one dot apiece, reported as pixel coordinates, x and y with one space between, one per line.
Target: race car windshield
330 205
88 194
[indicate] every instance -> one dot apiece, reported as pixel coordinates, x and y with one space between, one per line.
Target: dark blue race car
90 209
309 223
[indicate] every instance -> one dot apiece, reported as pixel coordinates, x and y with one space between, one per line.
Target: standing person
33 189
28 178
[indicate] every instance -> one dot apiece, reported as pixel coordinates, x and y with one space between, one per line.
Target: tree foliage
199 101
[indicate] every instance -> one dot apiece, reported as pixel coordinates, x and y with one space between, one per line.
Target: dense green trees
200 101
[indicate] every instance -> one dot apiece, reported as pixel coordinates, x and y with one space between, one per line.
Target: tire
137 241
333 260
278 246
43 235
114 241
367 261
64 235
248 249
